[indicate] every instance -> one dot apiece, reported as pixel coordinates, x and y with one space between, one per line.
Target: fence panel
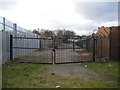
114 44
0 47
9 28
102 48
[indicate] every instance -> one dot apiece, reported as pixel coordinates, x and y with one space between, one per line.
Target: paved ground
76 71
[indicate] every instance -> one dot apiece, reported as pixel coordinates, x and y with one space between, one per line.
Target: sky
81 17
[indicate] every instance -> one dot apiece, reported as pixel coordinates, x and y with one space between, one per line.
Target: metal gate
31 50
55 51
68 51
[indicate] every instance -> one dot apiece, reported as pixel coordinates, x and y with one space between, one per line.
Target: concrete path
76 71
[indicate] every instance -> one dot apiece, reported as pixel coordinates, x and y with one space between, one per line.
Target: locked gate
54 51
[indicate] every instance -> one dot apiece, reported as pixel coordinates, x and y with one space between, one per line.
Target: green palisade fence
81 43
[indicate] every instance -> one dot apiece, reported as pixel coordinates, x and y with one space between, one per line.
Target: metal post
96 46
4 24
54 56
15 30
39 44
15 40
101 48
93 47
11 49
4 55
54 53
73 43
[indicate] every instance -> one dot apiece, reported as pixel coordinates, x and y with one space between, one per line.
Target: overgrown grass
104 67
20 75
16 75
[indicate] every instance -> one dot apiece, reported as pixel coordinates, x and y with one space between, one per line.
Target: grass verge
19 75
105 67
108 68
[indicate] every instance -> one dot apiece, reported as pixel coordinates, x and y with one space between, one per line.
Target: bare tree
36 32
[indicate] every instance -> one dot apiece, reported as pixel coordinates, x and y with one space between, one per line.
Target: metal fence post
93 47
73 43
4 24
11 49
4 42
15 40
15 30
54 52
101 46
40 44
54 56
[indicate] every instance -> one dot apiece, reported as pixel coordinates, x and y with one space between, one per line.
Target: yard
21 75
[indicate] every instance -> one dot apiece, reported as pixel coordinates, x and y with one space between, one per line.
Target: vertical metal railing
11 47
53 51
73 43
8 28
4 41
40 44
94 39
14 40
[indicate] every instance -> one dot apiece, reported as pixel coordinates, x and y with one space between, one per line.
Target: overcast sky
82 17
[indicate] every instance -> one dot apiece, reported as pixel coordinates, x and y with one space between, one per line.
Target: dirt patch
76 71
